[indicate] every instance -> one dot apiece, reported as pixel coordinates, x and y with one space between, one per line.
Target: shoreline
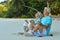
54 18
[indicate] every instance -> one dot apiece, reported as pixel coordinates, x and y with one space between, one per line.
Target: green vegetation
26 8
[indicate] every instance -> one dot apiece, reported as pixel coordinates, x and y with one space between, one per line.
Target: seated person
32 25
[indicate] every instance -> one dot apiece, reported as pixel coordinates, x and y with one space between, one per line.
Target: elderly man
46 22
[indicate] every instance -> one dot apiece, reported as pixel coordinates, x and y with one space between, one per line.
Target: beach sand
9 29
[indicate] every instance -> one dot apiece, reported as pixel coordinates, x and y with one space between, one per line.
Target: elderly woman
32 26
46 22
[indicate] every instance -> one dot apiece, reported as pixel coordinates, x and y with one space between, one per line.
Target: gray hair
48 9
40 14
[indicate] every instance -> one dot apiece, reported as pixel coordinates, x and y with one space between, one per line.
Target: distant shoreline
54 18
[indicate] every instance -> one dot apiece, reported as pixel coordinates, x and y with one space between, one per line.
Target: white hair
48 9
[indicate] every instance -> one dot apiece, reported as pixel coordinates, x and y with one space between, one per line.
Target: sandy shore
10 26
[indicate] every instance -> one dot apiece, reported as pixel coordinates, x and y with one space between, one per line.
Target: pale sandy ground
10 26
